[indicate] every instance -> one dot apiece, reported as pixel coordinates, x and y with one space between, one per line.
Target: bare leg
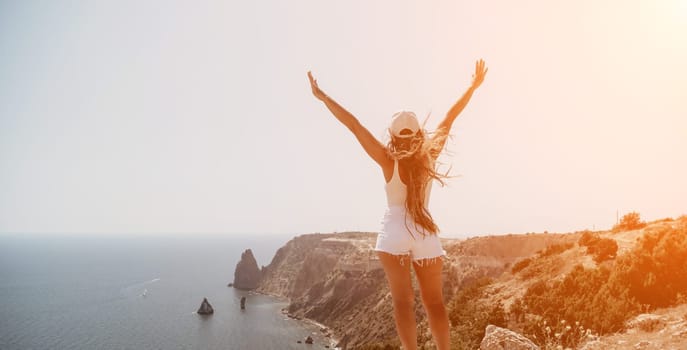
428 274
398 276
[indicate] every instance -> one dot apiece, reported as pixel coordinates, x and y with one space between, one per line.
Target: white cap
404 120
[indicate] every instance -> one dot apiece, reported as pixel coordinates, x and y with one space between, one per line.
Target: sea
97 291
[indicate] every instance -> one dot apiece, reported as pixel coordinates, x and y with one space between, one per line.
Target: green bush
655 271
650 276
559 335
555 249
584 296
470 314
601 249
605 249
517 310
629 221
518 266
588 238
547 266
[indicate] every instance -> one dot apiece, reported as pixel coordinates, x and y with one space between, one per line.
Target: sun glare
666 22
682 5
679 11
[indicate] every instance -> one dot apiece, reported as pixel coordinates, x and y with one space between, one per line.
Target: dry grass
671 335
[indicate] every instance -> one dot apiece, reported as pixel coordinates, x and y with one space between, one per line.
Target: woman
409 232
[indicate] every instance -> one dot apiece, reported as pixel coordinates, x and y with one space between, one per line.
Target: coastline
333 338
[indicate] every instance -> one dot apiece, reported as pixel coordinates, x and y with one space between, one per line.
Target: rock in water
205 308
247 274
308 340
497 338
243 303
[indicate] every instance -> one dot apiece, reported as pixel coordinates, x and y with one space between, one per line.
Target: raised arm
372 146
445 126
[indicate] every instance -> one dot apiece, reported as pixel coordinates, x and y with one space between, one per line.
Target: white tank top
396 190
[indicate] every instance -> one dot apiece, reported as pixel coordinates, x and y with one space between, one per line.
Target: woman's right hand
316 89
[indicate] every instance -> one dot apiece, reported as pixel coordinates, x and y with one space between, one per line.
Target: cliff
337 280
334 279
247 275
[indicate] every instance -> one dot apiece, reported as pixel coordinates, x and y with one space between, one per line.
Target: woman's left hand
480 73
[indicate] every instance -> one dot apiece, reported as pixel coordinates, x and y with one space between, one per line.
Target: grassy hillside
568 293
570 290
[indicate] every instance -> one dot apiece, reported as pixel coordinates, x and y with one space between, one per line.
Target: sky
133 117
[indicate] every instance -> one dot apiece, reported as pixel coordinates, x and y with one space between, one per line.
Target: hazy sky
193 116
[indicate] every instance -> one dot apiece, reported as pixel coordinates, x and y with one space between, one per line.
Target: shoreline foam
333 338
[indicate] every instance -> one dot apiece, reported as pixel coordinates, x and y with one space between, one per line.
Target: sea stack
205 308
247 274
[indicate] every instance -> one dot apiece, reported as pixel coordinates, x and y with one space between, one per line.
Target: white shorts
399 236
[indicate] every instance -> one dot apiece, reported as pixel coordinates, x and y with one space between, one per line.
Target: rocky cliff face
334 279
337 280
247 274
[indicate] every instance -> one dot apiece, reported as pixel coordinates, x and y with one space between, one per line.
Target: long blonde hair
415 156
